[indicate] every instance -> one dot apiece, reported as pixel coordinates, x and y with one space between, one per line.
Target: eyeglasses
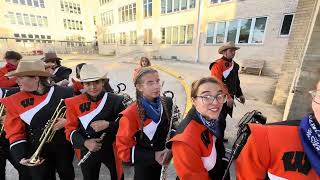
221 98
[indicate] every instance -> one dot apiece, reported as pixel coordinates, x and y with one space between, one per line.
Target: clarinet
86 156
175 114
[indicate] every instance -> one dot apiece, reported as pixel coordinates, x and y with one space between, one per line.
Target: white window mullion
226 31
238 31
253 22
215 33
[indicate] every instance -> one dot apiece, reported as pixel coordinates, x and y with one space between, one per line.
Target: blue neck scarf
310 135
153 109
212 125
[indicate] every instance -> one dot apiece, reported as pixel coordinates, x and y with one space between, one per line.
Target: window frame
281 25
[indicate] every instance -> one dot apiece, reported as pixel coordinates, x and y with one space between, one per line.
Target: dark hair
78 68
45 81
196 84
54 60
12 55
142 58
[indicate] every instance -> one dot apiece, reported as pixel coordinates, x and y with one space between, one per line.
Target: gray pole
198 32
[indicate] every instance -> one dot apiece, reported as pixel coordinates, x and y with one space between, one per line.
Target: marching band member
12 58
28 112
5 146
198 151
77 85
144 126
60 73
89 115
283 150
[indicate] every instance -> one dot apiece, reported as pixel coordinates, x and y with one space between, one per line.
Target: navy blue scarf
310 135
153 109
212 125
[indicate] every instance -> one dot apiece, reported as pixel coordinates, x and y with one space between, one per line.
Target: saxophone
175 116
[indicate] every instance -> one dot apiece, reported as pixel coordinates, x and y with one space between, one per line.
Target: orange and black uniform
27 115
227 72
140 150
197 154
82 110
5 150
6 82
274 151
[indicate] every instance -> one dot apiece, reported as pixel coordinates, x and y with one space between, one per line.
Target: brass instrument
48 133
2 111
175 116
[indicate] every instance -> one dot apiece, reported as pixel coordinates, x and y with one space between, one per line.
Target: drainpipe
198 33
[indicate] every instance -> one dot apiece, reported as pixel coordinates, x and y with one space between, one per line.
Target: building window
259 29
177 35
133 37
22 2
12 17
19 18
70 7
61 5
232 31
147 36
218 1
127 13
221 28
286 24
33 20
26 19
182 35
107 18
104 1
72 24
45 21
35 3
147 7
242 31
169 6
108 38
122 38
29 2
15 1
39 20
163 35
41 3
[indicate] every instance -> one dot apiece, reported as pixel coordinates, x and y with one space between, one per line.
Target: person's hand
63 83
163 157
230 102
99 125
26 162
59 124
93 145
242 99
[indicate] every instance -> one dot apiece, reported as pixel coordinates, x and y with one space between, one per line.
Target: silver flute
86 156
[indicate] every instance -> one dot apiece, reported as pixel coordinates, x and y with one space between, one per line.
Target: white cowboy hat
89 73
30 68
228 45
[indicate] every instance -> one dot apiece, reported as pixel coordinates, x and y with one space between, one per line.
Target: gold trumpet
48 133
2 111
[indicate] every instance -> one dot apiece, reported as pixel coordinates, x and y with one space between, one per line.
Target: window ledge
175 44
176 12
219 4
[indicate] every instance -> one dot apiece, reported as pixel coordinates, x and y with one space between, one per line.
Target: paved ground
178 76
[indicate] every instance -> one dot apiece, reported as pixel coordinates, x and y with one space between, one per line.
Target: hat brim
225 48
30 73
51 59
93 79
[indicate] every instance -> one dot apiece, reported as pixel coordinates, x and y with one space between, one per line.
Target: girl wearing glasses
197 154
283 150
144 126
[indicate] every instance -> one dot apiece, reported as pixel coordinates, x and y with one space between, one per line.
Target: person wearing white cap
226 70
28 112
92 124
